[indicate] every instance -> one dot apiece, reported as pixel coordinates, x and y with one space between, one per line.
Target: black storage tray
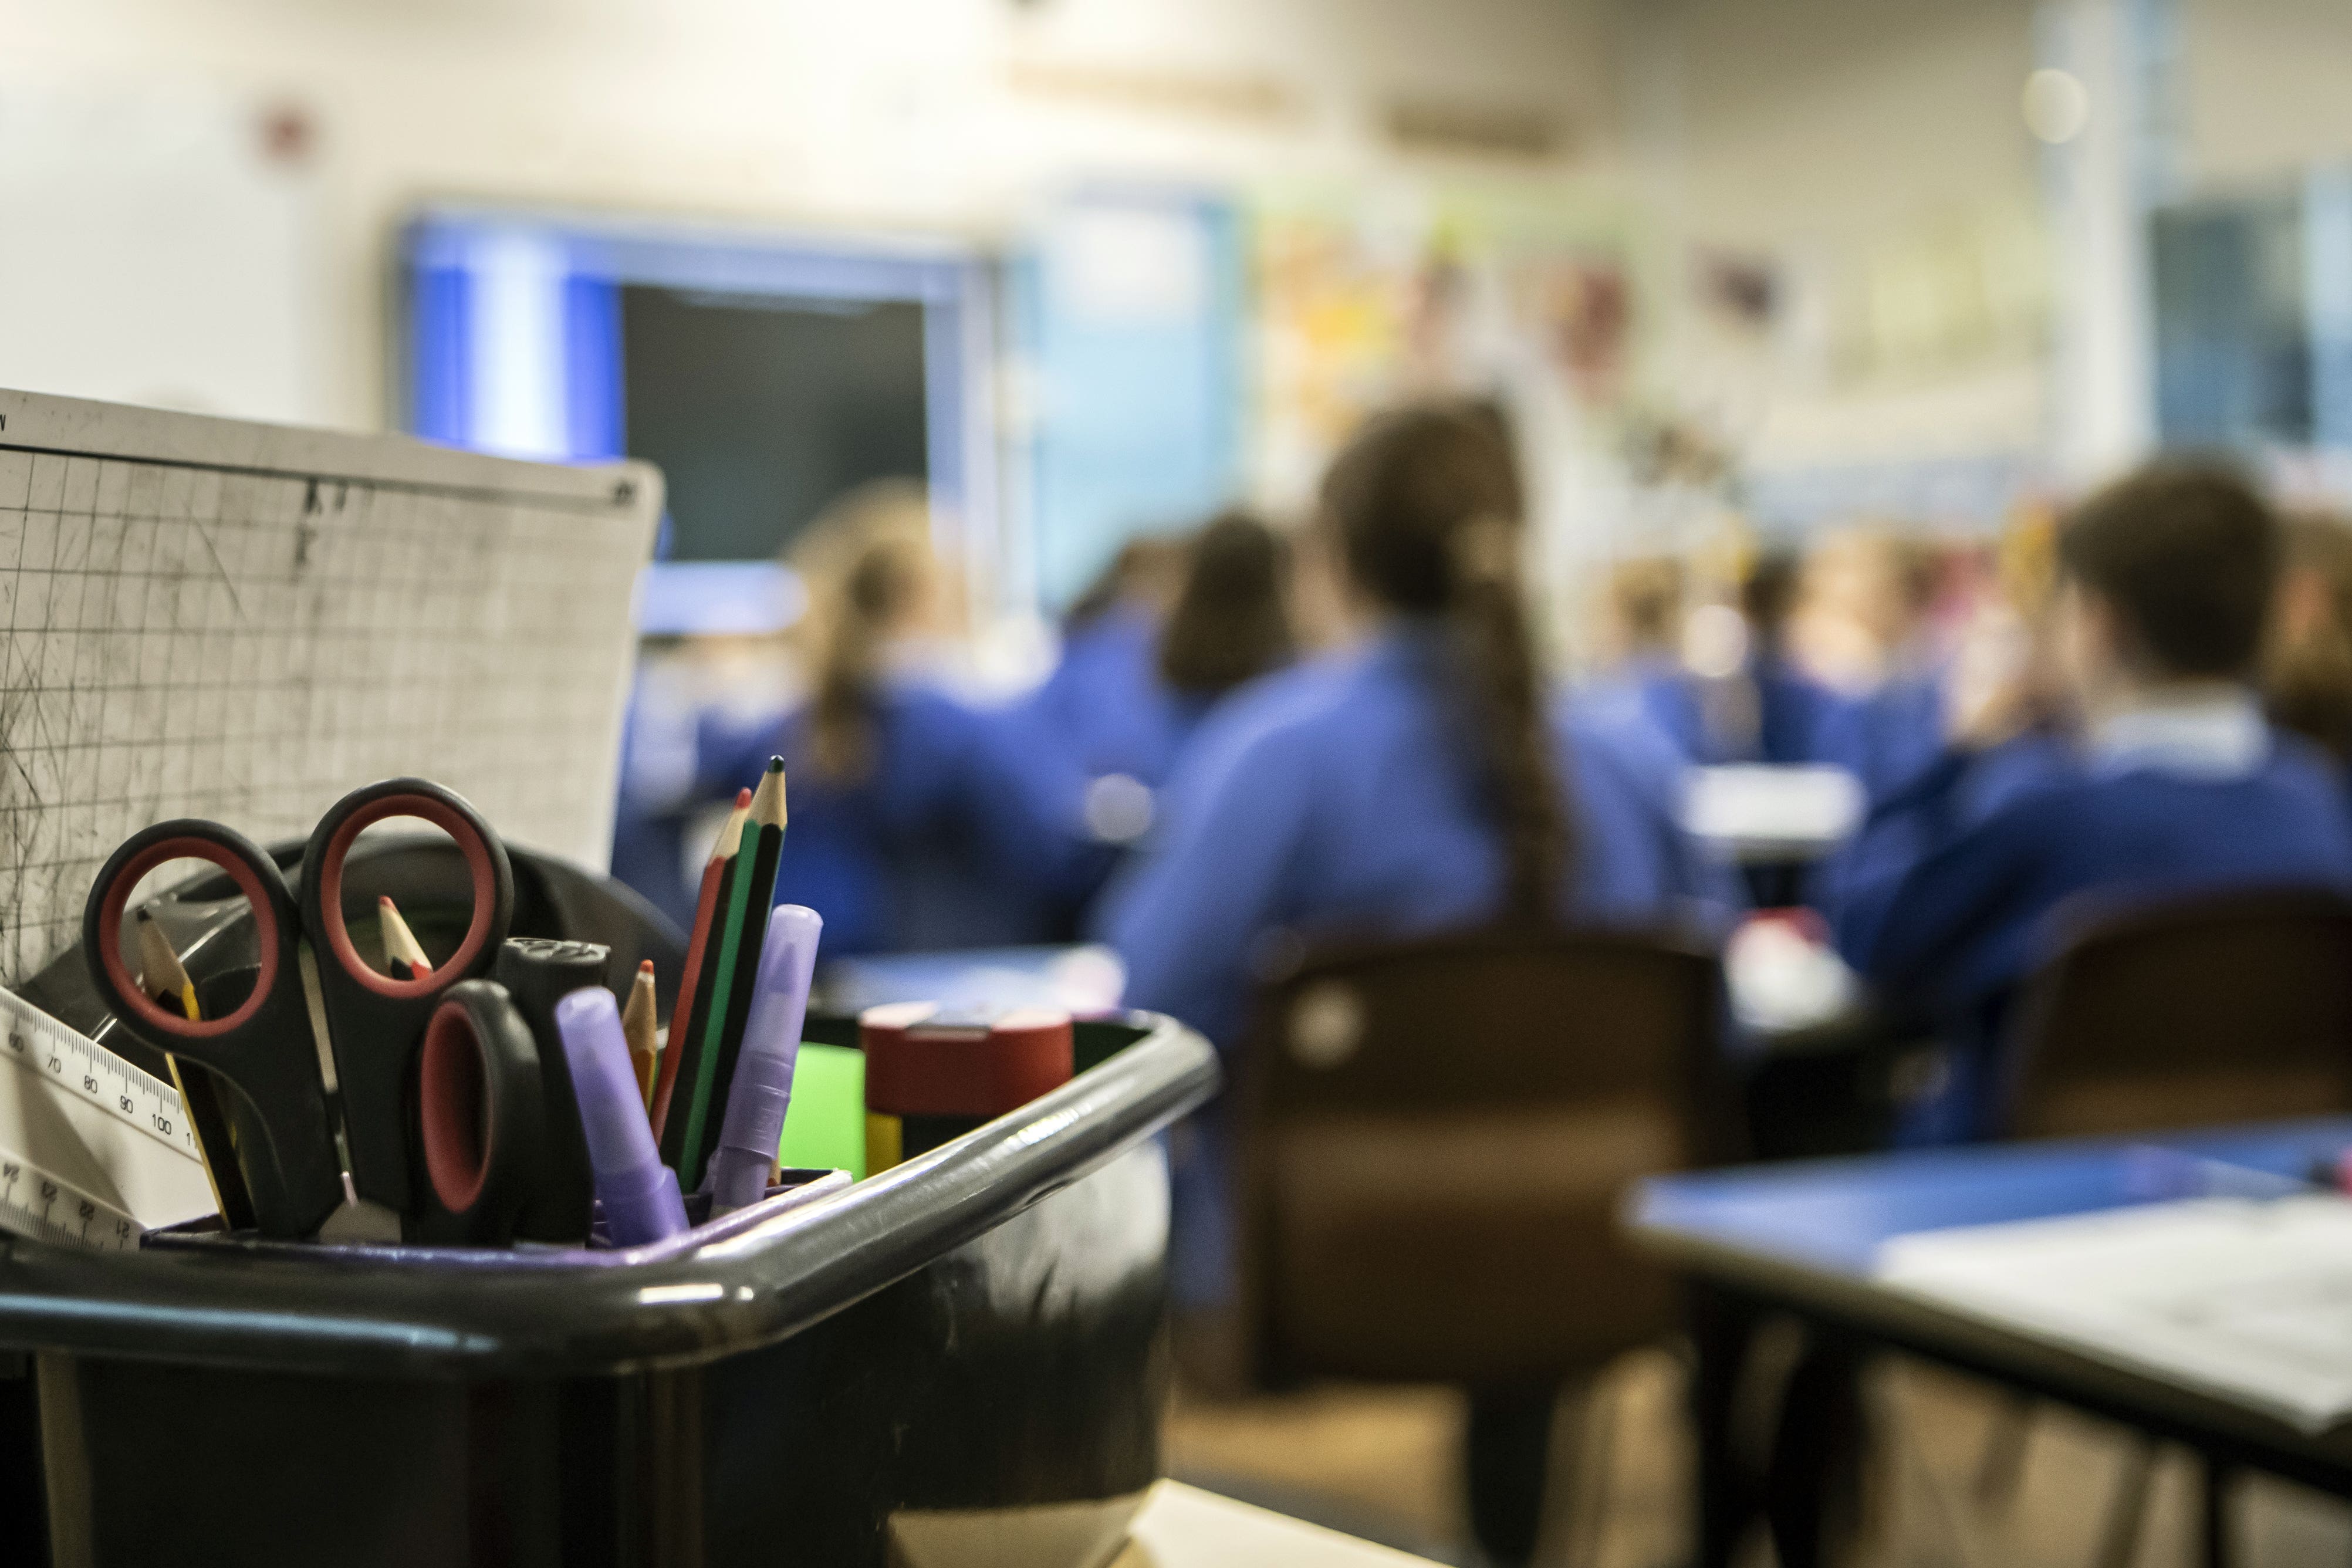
789 1384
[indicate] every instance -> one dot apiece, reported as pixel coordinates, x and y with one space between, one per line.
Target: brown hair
1768 598
1232 621
867 562
2186 554
1144 570
1645 598
1426 505
2308 673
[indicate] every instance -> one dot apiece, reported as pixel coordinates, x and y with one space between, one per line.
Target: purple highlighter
763 1090
639 1192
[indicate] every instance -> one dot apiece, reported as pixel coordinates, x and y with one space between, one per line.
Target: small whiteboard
203 617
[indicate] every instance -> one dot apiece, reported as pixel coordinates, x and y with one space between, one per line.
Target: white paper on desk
2248 1301
1759 807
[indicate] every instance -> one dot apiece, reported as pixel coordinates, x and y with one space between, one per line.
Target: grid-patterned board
201 618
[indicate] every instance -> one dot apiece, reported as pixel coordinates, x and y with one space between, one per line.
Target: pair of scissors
266 1048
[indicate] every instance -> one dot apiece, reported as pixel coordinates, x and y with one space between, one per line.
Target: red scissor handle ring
473 839
186 841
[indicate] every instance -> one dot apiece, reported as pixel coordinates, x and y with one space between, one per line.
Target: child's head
1231 620
1417 502
2167 577
1869 592
871 558
1646 607
873 578
1146 574
2307 668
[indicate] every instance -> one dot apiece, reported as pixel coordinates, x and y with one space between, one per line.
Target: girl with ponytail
1426 512
1426 778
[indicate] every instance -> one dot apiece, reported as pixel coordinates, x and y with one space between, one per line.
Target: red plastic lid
923 1061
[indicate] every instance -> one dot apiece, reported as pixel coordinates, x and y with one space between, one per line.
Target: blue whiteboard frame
508 331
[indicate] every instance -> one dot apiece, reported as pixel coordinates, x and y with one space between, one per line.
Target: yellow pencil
640 1023
160 972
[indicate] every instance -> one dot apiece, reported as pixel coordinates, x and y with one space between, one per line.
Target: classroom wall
931 114
2263 94
1821 123
1871 154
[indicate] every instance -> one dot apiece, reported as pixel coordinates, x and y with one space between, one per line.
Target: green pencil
749 901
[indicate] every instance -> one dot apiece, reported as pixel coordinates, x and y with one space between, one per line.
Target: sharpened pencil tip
645 966
768 800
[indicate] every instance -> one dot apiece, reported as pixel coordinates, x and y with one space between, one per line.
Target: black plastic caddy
970 1345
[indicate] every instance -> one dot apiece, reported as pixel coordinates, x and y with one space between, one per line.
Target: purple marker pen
763 1090
639 1192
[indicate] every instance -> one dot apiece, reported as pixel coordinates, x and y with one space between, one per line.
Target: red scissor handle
486 864
255 875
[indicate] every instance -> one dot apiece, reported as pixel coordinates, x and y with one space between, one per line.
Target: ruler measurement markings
52 1209
41 1045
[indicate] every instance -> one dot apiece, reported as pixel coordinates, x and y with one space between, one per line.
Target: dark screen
2233 341
761 409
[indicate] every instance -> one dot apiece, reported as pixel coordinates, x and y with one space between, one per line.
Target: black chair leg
1813 1488
2220 1481
1723 1495
1508 1456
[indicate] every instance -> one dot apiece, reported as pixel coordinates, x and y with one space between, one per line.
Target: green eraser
825 1126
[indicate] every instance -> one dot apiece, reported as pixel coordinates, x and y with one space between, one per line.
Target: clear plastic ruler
80 1065
49 1208
93 1150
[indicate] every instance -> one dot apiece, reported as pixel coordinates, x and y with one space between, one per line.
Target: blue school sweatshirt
953 837
1105 705
1890 737
1339 797
1948 902
1342 797
1794 712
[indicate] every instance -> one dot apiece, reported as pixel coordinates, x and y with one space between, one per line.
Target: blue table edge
1836 1214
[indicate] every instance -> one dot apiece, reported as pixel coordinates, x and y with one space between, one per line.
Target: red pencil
705 910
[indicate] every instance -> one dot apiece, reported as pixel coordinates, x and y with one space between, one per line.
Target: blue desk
1833 1215
1801 1239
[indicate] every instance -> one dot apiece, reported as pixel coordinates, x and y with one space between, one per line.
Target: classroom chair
2197 1012
1434 1137
2218 1008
